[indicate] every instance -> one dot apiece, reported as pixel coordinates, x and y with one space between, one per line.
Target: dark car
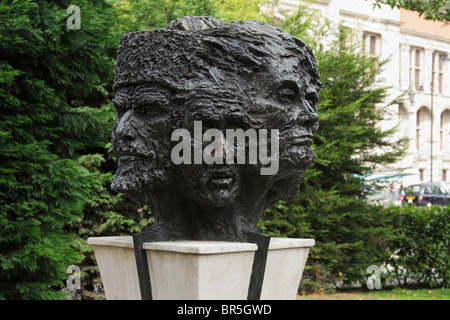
426 194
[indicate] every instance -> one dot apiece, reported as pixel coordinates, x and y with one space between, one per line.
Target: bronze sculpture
243 75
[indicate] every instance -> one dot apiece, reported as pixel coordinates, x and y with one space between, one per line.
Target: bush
421 246
348 240
411 242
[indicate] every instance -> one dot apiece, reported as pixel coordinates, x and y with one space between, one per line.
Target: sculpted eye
121 103
120 111
286 95
151 101
149 110
313 98
208 123
287 92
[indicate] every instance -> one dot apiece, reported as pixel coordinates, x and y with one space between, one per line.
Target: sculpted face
284 96
282 103
141 137
216 108
297 119
242 75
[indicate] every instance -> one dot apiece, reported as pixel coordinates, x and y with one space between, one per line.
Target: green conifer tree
151 14
51 119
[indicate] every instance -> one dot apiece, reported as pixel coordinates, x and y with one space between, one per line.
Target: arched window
423 130
445 132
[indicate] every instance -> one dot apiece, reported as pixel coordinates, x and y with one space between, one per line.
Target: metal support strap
142 264
259 264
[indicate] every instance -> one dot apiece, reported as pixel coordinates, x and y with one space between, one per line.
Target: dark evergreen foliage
52 83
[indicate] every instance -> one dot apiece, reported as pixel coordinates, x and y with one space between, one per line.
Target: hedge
420 248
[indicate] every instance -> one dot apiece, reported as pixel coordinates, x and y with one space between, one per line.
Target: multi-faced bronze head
182 91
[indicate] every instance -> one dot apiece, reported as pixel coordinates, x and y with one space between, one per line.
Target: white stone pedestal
286 260
200 270
117 264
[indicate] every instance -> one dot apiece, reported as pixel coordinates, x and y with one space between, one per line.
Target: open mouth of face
222 182
213 185
222 178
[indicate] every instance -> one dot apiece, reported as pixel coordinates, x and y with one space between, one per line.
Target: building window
444 175
372 44
421 174
445 131
439 72
423 130
415 67
372 48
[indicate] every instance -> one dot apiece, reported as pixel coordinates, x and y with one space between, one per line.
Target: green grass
394 294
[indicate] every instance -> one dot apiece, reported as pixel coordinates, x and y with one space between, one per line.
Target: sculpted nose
308 116
125 129
310 120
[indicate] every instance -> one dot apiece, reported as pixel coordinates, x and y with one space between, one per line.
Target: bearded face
141 138
287 101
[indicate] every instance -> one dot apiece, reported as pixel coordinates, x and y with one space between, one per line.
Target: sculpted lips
130 158
305 140
222 178
222 181
133 156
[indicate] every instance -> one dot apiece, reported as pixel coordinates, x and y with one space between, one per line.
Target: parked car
426 194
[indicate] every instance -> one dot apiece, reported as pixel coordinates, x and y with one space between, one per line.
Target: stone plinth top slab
201 247
290 243
120 241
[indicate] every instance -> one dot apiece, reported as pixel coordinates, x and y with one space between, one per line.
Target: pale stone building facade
418 51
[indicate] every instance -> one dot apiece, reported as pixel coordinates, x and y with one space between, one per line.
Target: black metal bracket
259 264
258 268
143 270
